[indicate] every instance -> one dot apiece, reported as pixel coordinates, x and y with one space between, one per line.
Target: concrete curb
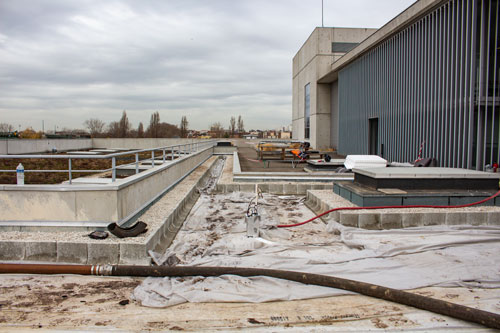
378 220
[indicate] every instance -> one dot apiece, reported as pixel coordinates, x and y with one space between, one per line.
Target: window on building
307 110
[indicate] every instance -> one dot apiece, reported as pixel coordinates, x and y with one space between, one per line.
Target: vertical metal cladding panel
495 89
434 82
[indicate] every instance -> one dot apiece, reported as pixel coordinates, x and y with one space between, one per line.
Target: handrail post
163 155
136 163
69 170
172 152
113 169
153 158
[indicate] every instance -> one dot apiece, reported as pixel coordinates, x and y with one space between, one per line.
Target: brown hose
45 269
462 312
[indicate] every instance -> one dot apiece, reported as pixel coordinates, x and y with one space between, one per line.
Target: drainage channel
207 187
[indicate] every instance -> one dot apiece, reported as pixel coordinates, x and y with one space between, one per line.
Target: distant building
427 79
285 135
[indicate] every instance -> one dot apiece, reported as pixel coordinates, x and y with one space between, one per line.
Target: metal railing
167 152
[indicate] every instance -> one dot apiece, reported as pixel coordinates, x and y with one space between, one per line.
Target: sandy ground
75 303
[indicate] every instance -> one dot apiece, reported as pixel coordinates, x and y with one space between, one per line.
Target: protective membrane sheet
214 234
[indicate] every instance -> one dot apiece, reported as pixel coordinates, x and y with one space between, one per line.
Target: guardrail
167 151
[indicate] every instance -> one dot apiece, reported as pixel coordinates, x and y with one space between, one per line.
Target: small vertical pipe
69 171
172 152
163 155
113 169
136 163
152 158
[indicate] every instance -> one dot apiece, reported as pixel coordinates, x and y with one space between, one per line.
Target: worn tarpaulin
214 235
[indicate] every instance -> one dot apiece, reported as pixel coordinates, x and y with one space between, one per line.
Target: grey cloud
67 61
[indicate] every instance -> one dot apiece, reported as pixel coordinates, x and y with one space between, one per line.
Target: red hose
384 207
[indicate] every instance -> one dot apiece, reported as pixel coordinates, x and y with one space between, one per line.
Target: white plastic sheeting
214 235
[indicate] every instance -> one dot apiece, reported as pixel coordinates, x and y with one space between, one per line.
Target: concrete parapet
130 251
104 203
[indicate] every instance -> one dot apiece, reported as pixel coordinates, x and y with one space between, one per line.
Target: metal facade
433 85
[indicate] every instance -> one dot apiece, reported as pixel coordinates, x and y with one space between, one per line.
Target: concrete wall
133 143
313 61
99 203
30 146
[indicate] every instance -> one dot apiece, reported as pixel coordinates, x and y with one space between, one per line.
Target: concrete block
328 186
477 218
348 219
247 187
264 187
153 240
435 219
219 188
302 188
409 220
72 252
390 220
41 251
455 201
134 254
290 189
494 218
276 188
232 188
102 253
424 200
12 250
369 221
10 228
456 218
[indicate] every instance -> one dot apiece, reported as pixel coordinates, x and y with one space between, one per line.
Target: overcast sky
65 61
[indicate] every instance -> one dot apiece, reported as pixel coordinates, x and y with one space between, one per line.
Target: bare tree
241 127
114 129
4 127
232 126
217 129
140 130
154 123
124 125
166 130
184 127
94 125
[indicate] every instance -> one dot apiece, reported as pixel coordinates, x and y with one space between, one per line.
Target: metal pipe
113 167
69 170
136 163
458 311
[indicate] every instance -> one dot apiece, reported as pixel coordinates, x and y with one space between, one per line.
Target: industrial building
428 80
